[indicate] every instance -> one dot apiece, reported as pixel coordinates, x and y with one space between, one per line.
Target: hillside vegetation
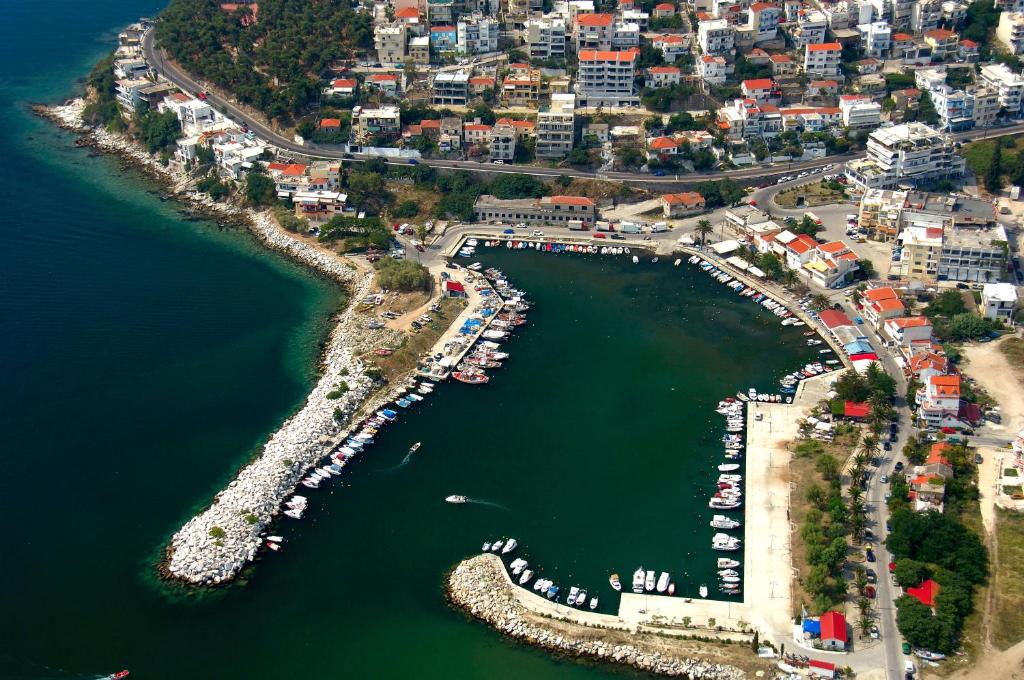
276 63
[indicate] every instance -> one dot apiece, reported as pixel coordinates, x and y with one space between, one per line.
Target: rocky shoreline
481 588
215 545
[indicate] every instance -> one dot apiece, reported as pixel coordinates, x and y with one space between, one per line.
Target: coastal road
754 175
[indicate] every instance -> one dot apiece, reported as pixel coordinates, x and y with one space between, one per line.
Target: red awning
870 356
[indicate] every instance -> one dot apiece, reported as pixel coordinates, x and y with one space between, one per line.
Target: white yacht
649 581
525 578
638 580
723 522
703 590
663 582
593 603
571 600
456 499
510 545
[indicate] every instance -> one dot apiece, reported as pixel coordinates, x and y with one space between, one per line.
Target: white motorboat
276 539
730 579
538 584
728 467
593 603
571 600
517 565
636 260
456 499
663 582
496 546
526 576
728 572
726 563
723 522
614 581
510 545
703 590
649 581
581 599
294 514
487 547
638 580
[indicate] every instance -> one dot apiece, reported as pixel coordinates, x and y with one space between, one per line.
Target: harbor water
145 357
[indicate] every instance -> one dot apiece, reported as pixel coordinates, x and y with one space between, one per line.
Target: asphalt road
754 175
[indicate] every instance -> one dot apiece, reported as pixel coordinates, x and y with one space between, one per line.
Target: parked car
885 479
598 235
871 576
887 446
898 466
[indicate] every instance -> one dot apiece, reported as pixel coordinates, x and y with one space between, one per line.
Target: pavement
747 176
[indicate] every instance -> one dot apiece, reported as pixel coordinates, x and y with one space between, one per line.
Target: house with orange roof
907 330
782 64
938 401
830 264
762 90
663 76
342 87
521 86
660 147
684 203
713 70
672 46
594 31
477 84
763 21
942 41
822 59
605 78
923 364
523 128
388 83
664 10
800 251
968 51
900 43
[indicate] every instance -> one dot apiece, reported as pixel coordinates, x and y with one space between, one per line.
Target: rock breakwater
480 587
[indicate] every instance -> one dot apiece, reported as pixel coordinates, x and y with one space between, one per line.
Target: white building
384 121
763 20
545 37
859 111
823 59
713 70
450 88
1010 31
1008 85
502 143
477 34
716 36
999 301
911 153
389 41
605 78
811 27
875 39
625 35
556 127
594 31
925 15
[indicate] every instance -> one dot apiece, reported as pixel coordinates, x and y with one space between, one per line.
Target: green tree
517 185
911 572
703 228
968 326
260 189
158 130
994 176
827 466
403 275
947 303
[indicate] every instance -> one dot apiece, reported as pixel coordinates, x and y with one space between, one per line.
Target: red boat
470 378
383 352
120 675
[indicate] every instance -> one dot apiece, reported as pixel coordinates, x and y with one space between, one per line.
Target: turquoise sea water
144 358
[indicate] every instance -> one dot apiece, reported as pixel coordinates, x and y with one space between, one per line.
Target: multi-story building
763 20
875 39
860 111
713 70
672 46
810 29
444 38
502 143
925 15
943 43
553 210
605 78
823 59
545 37
939 399
910 152
880 212
716 36
762 90
663 76
419 50
638 17
1007 84
975 255
594 31
921 248
1010 31
450 88
521 86
441 12
477 34
625 35
556 127
389 41
382 123
999 301
986 106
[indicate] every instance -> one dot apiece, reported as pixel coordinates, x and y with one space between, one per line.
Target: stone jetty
480 586
215 545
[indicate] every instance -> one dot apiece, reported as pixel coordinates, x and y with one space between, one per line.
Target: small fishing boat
636 260
525 577
671 588
496 546
730 579
487 547
510 545
517 565
727 563
276 539
294 513
663 582
638 580
728 467
120 675
552 591
456 499
593 603
415 447
571 600
649 581
703 590
471 378
728 572
614 581
677 262
723 522
581 599
273 546
383 352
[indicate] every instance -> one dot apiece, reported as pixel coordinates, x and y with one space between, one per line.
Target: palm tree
860 580
820 302
789 277
864 605
704 228
865 626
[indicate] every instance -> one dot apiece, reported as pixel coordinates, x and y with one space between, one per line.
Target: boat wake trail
480 501
405 461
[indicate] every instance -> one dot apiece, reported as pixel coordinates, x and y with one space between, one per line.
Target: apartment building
383 122
976 255
450 88
763 21
502 143
921 249
1010 31
823 59
444 38
943 43
477 34
521 86
1009 86
389 42
556 127
925 15
810 29
672 46
910 152
860 111
545 37
939 400
713 70
441 12
625 35
594 31
605 78
716 36
986 106
663 76
875 39
999 301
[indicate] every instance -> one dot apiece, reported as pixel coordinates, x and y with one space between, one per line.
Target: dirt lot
814 194
417 343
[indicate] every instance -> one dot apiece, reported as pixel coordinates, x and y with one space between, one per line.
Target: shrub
403 275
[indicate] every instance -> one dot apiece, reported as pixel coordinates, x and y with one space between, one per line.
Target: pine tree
994 176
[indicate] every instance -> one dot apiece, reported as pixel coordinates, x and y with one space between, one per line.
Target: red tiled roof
664 69
925 593
330 123
690 199
663 143
289 169
407 13
911 322
902 36
939 34
665 7
855 410
481 80
594 19
833 247
600 55
923 360
968 43
946 385
824 47
384 78
758 84
476 127
833 318
344 82
833 626
758 6
571 200
824 83
876 294
442 29
937 454
430 124
780 58
888 306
